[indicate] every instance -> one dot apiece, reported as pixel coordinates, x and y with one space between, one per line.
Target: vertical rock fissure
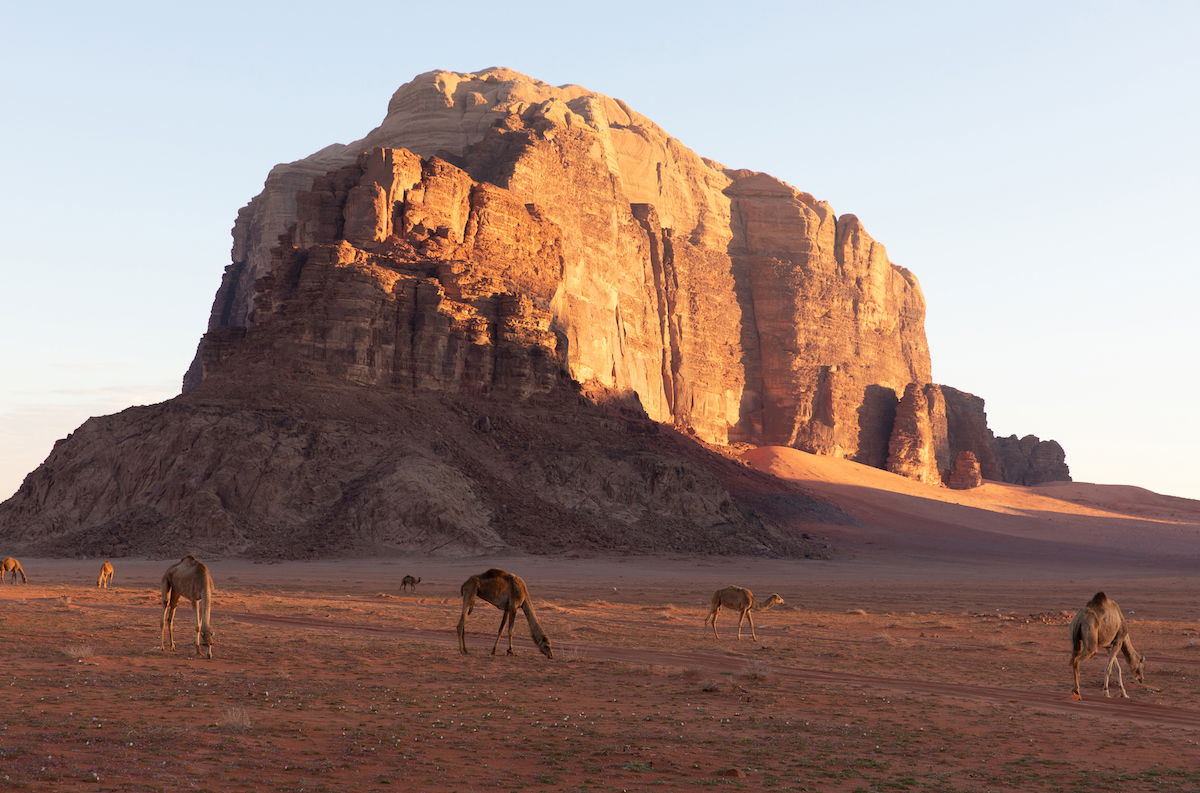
648 220
750 337
673 383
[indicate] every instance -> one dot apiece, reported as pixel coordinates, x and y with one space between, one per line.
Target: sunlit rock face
965 475
509 317
496 215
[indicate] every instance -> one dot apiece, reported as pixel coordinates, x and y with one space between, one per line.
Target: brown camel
11 565
1101 623
188 578
508 593
409 582
742 599
106 575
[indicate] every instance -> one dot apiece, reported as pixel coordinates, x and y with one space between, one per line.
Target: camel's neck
206 609
1128 651
534 628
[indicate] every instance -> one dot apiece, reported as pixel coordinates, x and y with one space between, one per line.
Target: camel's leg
750 616
712 617
467 604
1075 659
741 618
1114 660
168 621
512 618
504 618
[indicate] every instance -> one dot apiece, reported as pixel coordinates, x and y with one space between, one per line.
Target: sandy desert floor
879 674
931 654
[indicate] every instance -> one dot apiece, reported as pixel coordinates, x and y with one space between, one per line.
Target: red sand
932 656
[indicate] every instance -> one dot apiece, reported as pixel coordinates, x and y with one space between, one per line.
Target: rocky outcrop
1031 461
511 316
731 304
966 473
967 428
284 469
912 448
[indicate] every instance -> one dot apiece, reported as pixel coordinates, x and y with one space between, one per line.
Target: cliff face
502 253
732 305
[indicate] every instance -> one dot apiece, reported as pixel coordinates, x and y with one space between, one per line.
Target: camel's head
1138 665
774 600
543 643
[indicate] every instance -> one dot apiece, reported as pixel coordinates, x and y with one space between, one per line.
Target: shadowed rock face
543 257
1031 461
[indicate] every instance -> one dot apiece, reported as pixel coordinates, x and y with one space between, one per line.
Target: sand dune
996 519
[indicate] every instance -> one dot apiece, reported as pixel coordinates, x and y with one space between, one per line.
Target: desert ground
930 654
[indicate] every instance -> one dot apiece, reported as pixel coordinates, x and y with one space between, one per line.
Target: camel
11 565
106 575
189 578
506 592
407 582
742 599
1101 623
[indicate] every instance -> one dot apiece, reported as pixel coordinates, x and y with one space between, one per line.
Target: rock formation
1030 461
912 448
733 305
546 257
966 472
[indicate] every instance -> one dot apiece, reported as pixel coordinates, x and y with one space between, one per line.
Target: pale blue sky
1034 163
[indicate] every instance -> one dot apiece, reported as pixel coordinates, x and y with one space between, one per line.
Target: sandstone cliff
534 255
733 305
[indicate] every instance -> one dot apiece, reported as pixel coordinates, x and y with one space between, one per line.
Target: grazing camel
11 565
742 599
508 593
1101 623
189 578
106 575
409 582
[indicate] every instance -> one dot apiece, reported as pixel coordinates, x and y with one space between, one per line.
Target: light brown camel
742 599
1101 623
188 578
409 582
106 575
11 565
508 593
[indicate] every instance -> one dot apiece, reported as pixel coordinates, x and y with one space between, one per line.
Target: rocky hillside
541 263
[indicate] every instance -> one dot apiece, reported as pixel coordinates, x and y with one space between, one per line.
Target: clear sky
1034 163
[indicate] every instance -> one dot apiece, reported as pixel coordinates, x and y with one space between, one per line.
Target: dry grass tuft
893 641
235 719
569 655
755 670
78 651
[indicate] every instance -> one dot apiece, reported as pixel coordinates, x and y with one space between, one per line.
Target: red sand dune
996 519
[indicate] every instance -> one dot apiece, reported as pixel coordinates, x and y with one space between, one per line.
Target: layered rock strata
500 239
731 304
